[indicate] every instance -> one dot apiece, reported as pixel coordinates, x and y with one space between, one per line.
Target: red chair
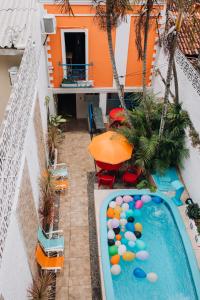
131 175
106 179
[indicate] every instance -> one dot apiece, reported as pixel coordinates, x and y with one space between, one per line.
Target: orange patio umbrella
110 147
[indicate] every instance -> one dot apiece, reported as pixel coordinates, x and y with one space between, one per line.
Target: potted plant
193 212
41 288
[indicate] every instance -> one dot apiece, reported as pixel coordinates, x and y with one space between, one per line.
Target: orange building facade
78 54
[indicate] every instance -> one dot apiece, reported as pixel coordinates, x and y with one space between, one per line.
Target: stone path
74 282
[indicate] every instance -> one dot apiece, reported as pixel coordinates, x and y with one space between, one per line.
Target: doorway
75 55
66 105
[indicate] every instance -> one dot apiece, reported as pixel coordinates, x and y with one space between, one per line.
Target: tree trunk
176 99
144 65
169 71
114 68
167 86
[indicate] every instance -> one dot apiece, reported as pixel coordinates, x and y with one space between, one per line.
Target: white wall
15 276
191 103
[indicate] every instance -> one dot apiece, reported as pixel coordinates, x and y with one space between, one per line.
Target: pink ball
138 204
127 198
119 200
146 198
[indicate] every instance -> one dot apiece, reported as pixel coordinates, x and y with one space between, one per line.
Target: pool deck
74 281
100 195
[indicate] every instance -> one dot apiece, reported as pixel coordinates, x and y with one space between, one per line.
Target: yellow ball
138 227
118 208
128 256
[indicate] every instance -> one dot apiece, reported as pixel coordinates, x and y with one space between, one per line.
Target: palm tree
184 11
142 30
109 14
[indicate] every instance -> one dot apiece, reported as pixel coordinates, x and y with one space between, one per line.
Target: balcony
76 75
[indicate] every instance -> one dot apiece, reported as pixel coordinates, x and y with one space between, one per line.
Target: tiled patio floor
74 282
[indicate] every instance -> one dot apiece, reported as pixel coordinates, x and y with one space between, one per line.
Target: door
67 105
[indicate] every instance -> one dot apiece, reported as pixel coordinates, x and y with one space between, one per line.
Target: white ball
130 236
117 243
122 222
119 200
111 234
131 244
121 249
115 269
142 255
112 204
152 277
109 224
123 229
125 206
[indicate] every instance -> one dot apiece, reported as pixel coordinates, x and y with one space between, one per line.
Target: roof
15 22
189 36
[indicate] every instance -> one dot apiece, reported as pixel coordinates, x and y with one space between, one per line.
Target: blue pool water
167 259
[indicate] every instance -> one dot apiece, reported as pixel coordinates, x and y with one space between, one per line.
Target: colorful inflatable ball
112 204
128 256
140 244
121 249
109 224
138 204
157 199
125 206
130 226
137 213
137 234
130 219
129 213
116 230
142 255
115 259
115 223
115 269
117 209
127 199
122 222
111 234
137 197
152 277
131 205
138 227
113 250
119 200
118 237
110 212
146 198
118 243
111 242
117 215
131 244
130 236
139 273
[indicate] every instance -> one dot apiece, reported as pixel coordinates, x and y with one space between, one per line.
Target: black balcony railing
76 75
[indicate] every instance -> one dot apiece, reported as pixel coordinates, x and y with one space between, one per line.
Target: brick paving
74 281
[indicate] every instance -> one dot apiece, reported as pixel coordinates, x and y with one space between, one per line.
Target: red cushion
130 177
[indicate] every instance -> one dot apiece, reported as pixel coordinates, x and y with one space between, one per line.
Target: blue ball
137 197
157 199
139 273
130 226
129 213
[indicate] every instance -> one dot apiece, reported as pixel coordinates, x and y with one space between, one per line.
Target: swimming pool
171 256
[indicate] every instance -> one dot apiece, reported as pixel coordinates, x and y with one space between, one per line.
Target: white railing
192 74
13 132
